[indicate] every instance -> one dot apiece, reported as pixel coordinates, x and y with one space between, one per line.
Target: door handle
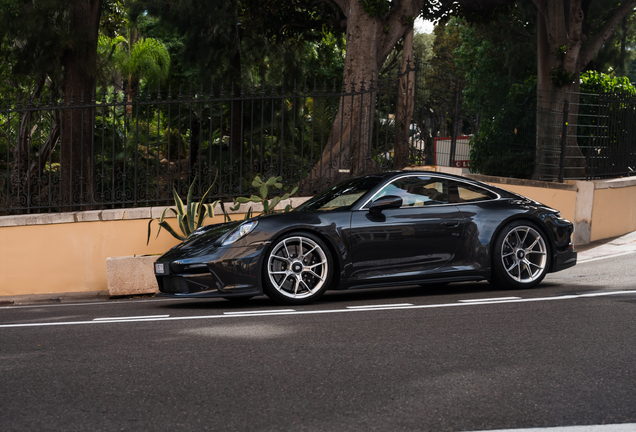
451 223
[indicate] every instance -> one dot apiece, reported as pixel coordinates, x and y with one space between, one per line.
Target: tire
297 269
521 256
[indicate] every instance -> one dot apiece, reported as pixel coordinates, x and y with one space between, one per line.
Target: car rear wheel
521 258
298 269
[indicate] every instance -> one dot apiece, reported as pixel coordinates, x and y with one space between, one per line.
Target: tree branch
606 32
396 26
344 6
542 6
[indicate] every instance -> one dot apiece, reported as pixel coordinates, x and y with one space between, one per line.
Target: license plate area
162 269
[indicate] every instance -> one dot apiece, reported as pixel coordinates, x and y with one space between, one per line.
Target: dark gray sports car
398 228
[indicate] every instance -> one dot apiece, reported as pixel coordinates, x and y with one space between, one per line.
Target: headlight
238 232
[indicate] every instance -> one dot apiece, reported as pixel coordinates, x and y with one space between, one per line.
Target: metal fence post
454 132
564 138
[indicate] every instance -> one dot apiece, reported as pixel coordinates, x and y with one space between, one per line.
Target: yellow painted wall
614 212
559 199
71 257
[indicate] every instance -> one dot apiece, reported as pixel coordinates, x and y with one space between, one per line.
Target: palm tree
137 58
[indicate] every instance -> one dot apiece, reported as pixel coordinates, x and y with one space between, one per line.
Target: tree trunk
406 103
77 123
347 150
622 69
44 155
131 91
22 152
133 81
236 110
369 42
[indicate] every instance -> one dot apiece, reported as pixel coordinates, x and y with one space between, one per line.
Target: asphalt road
465 357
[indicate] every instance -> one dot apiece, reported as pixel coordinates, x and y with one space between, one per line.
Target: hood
201 242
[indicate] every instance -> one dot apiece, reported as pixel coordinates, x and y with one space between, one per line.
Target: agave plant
189 216
263 187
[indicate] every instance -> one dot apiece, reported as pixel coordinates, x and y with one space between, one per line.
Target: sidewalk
600 249
609 247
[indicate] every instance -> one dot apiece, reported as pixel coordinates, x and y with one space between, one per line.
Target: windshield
341 196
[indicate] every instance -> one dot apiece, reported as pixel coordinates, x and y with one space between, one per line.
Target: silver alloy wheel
297 267
524 254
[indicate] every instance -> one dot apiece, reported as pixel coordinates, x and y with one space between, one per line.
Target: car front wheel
298 269
521 257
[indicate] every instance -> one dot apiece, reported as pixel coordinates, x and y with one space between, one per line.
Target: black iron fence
119 150
607 136
519 132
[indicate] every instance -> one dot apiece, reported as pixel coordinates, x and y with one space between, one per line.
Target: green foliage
190 216
263 187
505 143
43 33
166 143
486 82
560 77
611 123
595 82
241 42
376 8
324 60
147 58
560 52
494 55
114 17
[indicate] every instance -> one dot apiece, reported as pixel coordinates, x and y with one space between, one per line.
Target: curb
53 298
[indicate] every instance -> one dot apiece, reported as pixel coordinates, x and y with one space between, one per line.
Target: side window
417 191
459 192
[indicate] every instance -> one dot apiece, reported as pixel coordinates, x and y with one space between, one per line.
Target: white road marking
327 311
490 299
259 312
130 318
379 306
625 427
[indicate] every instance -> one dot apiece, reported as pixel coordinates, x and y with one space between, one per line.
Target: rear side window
459 192
417 191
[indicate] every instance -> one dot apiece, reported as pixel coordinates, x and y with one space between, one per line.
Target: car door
406 242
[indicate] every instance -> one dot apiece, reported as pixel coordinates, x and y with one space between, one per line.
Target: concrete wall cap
296 202
521 182
156 212
37 219
138 213
113 214
127 214
88 216
615 183
438 168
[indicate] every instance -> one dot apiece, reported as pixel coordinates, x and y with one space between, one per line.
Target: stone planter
131 275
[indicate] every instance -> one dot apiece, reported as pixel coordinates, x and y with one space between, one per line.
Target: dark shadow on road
355 295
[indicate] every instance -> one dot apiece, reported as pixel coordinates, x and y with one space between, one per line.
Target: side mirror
384 203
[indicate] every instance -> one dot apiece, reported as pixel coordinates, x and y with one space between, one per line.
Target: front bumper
226 272
564 259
